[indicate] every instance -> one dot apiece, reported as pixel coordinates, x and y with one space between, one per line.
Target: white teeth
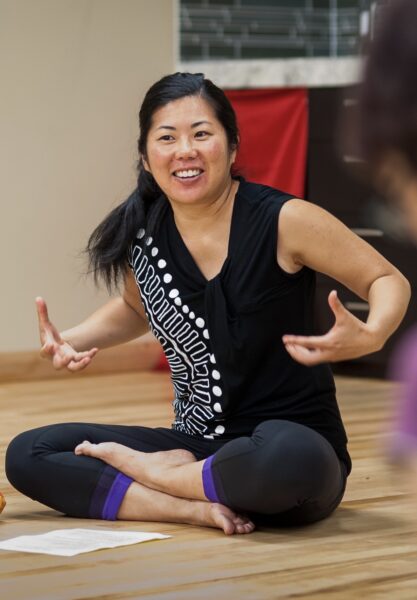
189 173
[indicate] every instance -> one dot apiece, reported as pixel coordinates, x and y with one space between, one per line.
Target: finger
64 355
70 356
308 341
301 355
42 311
306 357
78 365
80 355
62 358
59 361
47 350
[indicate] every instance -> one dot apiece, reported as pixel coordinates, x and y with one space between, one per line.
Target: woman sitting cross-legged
222 271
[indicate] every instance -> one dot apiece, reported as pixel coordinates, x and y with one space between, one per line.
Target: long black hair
109 243
388 97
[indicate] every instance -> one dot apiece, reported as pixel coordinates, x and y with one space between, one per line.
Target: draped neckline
185 252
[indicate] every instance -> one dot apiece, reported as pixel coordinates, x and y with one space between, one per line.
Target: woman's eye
202 133
166 137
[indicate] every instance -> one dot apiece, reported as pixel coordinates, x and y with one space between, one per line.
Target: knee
286 467
25 452
18 459
303 461
294 445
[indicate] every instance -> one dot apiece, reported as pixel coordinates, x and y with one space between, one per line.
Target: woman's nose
185 149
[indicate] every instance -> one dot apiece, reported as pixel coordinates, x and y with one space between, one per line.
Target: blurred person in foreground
388 136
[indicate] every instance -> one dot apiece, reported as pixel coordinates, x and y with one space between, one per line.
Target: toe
228 527
83 448
243 525
245 528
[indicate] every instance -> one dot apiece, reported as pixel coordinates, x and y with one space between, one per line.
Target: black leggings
284 473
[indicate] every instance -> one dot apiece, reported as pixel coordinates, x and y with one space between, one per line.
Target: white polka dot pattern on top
183 335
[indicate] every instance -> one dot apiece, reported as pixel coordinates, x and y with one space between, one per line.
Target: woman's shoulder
259 192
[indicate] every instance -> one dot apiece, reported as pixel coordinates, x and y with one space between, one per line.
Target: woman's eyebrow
197 124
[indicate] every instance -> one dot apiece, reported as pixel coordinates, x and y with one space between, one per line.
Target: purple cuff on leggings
108 495
208 481
115 496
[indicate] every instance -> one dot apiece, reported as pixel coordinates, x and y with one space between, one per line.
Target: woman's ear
233 155
234 151
145 163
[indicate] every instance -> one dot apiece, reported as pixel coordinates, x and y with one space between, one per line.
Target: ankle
200 512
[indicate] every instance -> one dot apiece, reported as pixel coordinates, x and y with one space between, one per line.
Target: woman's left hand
348 338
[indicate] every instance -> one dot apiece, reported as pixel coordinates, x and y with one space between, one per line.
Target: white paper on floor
69 542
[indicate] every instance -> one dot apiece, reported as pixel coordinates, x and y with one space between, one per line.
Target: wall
279 73
72 74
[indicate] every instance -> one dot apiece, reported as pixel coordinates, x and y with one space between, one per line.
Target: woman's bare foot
139 465
224 518
135 464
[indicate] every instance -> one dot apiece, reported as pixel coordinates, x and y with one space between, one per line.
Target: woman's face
187 152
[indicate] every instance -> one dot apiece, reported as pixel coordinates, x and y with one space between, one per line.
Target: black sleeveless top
223 337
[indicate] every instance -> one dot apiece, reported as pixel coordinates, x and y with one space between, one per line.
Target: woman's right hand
55 348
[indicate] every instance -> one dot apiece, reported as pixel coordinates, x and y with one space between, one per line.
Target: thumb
45 326
335 304
42 311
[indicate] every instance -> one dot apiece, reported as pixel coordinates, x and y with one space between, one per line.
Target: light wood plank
368 548
143 354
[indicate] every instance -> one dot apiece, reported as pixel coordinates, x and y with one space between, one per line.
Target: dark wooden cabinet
335 181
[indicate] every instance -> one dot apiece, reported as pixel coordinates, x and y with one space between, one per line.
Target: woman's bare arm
120 320
310 236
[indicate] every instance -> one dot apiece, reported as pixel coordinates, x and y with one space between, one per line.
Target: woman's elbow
406 288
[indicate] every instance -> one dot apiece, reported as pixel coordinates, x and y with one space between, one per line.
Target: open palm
348 338
55 348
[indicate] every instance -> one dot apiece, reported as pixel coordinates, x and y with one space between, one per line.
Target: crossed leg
41 464
284 470
174 472
168 487
131 478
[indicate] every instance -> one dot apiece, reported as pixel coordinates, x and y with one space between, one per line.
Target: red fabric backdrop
273 126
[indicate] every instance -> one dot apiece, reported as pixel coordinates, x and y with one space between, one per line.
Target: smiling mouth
184 174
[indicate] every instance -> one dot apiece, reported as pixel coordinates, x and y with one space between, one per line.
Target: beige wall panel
72 76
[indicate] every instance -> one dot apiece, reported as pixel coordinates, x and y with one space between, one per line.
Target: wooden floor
367 549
